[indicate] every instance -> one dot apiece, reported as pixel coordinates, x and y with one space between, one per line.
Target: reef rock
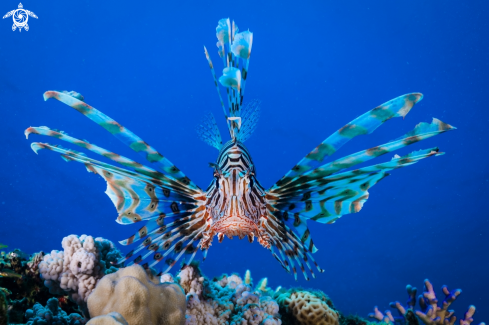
139 297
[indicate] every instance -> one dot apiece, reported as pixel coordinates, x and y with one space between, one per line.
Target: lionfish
181 217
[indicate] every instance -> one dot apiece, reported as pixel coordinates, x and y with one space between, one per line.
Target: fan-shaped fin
421 132
208 131
325 200
169 245
234 49
123 134
126 162
249 116
365 124
175 219
291 248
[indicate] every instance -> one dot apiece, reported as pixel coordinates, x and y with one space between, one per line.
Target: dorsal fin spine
234 49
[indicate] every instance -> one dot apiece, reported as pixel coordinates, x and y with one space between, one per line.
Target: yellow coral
248 279
139 298
308 309
262 285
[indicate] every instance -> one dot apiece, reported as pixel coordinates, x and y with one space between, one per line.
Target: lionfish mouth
235 225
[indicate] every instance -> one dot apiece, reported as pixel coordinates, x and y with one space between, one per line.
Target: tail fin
234 49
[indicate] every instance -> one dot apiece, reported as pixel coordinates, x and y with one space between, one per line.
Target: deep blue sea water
315 65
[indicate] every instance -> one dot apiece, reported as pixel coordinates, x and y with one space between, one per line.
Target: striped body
235 203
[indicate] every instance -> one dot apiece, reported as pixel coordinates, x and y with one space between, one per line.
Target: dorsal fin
208 131
234 49
249 117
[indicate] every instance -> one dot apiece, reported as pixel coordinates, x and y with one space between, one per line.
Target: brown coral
308 308
139 298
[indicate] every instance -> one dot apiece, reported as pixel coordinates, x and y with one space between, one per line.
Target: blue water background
315 66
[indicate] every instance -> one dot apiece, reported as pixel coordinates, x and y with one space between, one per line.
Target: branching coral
76 270
139 297
430 313
52 314
226 300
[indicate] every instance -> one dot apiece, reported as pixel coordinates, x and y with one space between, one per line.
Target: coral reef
3 309
76 270
231 300
109 319
430 313
52 314
84 273
191 280
22 278
225 300
307 308
149 302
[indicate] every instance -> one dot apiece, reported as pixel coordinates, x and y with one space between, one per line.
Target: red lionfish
181 218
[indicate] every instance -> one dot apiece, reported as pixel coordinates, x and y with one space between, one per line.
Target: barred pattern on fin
421 132
180 218
126 136
364 124
234 49
324 195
